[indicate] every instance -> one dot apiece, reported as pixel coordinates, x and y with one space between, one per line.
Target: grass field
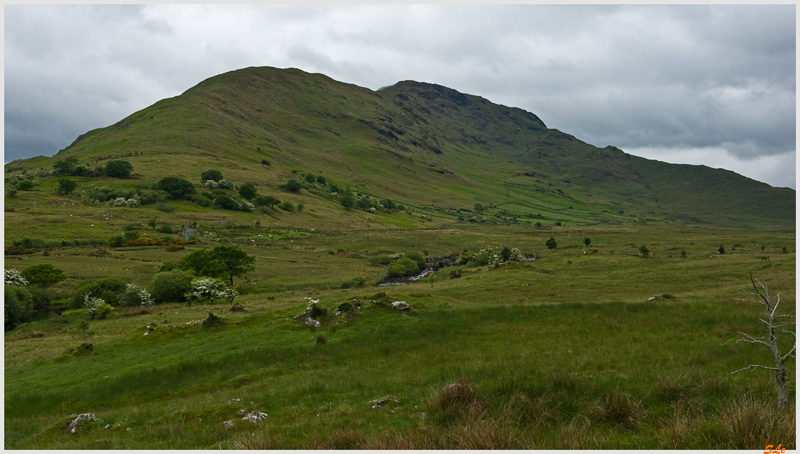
561 352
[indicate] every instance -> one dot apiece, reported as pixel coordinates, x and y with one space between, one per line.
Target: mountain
415 143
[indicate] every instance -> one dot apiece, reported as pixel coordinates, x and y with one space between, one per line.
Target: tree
65 186
347 200
214 175
65 167
587 241
44 275
770 341
175 187
18 304
234 260
267 200
201 263
551 243
119 169
152 223
293 186
248 191
721 249
643 249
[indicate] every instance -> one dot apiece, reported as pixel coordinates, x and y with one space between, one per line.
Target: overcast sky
711 85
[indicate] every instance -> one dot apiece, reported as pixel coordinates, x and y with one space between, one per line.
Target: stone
237 307
228 424
311 322
77 419
379 403
401 306
418 415
255 417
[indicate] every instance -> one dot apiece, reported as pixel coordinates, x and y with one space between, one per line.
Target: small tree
721 249
551 243
770 341
248 191
234 261
292 186
205 289
44 275
65 186
644 250
587 241
118 169
14 277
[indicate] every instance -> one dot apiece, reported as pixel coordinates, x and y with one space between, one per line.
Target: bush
25 185
203 201
321 180
226 202
397 270
410 265
107 289
136 296
247 191
65 186
551 243
176 187
165 208
267 200
206 289
18 304
644 250
164 228
214 175
43 275
264 162
170 286
293 186
118 169
380 260
418 258
286 206
310 178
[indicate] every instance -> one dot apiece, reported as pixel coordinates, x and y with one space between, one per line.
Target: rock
255 417
311 322
237 307
418 415
401 306
270 298
228 424
242 411
379 403
73 426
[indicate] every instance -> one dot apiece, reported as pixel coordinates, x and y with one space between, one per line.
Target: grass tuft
752 424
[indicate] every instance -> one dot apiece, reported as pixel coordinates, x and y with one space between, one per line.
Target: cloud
685 77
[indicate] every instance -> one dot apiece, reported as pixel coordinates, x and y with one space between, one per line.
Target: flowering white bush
91 304
210 184
206 289
119 201
132 202
13 277
516 255
494 260
229 294
225 184
136 296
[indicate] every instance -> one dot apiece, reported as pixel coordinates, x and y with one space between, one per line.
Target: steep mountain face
427 144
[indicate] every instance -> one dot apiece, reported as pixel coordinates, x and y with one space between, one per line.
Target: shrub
201 200
170 286
644 250
268 200
397 270
264 162
418 258
106 289
455 274
164 228
365 203
212 321
175 244
455 403
13 277
286 206
380 260
118 169
321 338
214 175
551 243
43 275
300 206
225 184
95 307
321 180
163 207
136 296
176 187
292 186
310 178
226 202
721 249
206 289
18 304
247 191
25 185
410 265
65 186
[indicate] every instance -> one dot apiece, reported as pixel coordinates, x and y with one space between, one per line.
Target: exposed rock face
401 306
73 426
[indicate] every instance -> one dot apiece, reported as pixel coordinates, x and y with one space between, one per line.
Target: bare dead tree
772 323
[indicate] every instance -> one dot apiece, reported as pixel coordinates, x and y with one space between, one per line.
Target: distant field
564 351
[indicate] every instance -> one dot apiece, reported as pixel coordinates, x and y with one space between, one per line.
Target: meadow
599 350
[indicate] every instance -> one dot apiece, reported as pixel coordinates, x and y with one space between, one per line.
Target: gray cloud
718 79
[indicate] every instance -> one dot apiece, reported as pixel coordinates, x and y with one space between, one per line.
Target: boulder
311 322
401 306
77 419
255 417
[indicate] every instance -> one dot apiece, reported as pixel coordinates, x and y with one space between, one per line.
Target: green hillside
419 144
